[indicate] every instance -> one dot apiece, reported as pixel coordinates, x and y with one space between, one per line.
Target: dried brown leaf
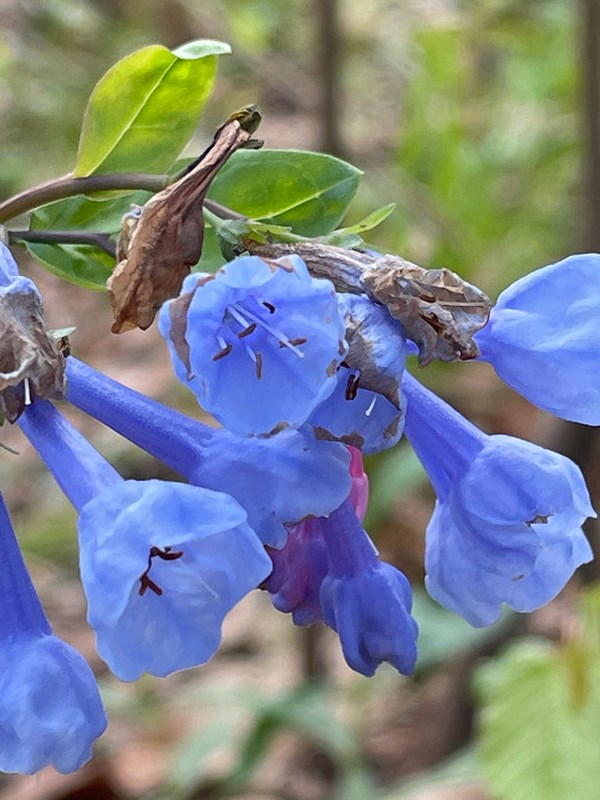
28 353
162 241
439 311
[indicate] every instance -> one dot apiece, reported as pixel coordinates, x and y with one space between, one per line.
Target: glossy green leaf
81 213
539 732
308 192
81 264
144 110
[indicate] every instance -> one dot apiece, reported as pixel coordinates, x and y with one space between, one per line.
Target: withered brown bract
162 241
28 352
438 310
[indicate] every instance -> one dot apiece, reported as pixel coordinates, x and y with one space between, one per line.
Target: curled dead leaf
162 241
31 364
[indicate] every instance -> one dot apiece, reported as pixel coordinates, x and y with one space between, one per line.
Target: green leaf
374 219
538 739
308 192
144 110
82 213
81 264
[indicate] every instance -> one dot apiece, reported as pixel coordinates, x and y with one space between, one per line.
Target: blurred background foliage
473 116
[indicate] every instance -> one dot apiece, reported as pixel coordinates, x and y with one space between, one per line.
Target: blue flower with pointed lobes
366 410
543 338
507 522
161 565
258 342
366 601
50 708
278 480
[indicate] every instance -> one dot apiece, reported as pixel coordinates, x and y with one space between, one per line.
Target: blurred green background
480 120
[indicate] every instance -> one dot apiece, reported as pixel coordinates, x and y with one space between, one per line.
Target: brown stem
68 186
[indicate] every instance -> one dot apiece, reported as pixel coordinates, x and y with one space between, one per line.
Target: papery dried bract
28 352
160 243
438 310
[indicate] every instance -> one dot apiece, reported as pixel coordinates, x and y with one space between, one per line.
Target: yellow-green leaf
144 110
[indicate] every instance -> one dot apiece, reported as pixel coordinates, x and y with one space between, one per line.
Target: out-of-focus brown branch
580 442
590 83
328 63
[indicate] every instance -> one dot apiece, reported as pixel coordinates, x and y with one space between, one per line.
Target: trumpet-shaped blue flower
300 566
161 563
366 410
50 708
506 527
543 338
278 480
329 570
258 342
367 601
161 566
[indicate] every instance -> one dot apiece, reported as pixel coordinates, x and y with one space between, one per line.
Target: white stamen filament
369 410
255 318
27 389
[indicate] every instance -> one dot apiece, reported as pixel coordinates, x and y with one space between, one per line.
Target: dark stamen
146 581
258 365
222 353
270 306
295 342
352 385
247 331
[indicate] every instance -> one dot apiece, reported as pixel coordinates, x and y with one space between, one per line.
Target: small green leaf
308 192
374 219
81 264
538 739
144 110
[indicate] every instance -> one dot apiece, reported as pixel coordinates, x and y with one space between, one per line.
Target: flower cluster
304 380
